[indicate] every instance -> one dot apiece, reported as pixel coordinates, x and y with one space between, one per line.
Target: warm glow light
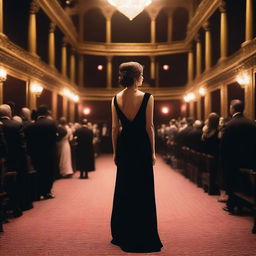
189 97
243 79
3 75
130 8
202 91
100 67
165 110
70 95
166 67
87 111
36 89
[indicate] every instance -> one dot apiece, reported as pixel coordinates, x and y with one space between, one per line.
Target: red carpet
76 222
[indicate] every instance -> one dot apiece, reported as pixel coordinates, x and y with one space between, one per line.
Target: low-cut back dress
134 219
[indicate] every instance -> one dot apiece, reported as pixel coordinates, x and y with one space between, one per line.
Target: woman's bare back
129 102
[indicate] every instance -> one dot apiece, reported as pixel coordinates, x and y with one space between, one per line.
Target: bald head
26 114
5 110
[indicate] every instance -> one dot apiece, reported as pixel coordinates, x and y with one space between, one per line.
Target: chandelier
130 8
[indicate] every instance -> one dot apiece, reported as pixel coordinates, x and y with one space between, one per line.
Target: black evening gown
134 220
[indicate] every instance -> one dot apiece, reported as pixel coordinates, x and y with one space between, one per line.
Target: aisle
76 222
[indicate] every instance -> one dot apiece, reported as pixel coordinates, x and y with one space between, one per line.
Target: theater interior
197 57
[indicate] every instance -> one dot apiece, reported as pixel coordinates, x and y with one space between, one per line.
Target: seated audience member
16 160
237 150
173 130
183 136
17 119
26 116
42 138
84 150
210 140
195 136
64 150
222 124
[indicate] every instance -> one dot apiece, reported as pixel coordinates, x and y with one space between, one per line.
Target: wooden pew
246 195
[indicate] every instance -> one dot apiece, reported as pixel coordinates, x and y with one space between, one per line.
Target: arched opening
94 26
162 26
180 22
126 31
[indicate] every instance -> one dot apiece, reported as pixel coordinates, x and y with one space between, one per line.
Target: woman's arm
150 126
115 128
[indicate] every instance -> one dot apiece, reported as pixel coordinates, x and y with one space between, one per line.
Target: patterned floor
76 222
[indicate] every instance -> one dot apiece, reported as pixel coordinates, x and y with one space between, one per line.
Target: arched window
94 26
126 31
162 26
180 21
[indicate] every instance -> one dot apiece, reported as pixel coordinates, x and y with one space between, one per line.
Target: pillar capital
52 27
206 26
197 38
64 42
34 7
109 58
72 51
223 6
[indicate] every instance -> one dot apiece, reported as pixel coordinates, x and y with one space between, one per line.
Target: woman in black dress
134 221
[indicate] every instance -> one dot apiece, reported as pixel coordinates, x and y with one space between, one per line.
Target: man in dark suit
42 138
84 150
183 137
237 149
16 160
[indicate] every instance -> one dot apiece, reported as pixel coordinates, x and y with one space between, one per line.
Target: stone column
54 104
108 29
249 99
152 67
223 32
72 66
249 21
157 73
224 100
153 30
190 65
207 104
191 109
81 27
72 111
81 70
208 46
109 72
64 58
170 25
199 114
198 56
31 97
32 47
1 17
65 105
51 47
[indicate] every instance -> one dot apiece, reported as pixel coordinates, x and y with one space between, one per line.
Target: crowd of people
35 150
232 142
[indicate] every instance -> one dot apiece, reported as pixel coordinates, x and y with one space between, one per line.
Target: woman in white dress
65 162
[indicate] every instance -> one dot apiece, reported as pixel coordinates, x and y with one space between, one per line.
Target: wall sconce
70 95
37 89
3 75
86 111
165 110
243 79
189 97
202 91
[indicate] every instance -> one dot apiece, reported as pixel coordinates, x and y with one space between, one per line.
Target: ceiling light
130 8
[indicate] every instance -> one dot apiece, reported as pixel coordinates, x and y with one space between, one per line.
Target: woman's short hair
129 72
